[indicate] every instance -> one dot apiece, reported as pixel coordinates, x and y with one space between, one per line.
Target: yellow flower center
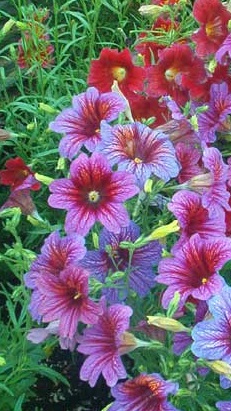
77 296
119 73
137 160
170 74
93 196
204 280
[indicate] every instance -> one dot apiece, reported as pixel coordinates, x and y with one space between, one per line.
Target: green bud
48 109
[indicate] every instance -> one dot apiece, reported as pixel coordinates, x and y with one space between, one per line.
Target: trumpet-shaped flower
212 338
176 70
140 150
223 405
18 175
104 343
93 193
65 298
194 269
56 254
116 65
81 122
213 18
194 218
138 271
215 117
146 392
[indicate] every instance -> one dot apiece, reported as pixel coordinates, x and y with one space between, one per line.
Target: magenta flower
140 150
56 254
212 183
65 298
188 156
93 193
138 271
81 124
215 117
105 342
193 270
146 392
194 218
21 199
212 338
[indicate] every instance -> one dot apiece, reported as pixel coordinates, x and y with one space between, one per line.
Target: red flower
213 18
18 175
144 107
174 73
114 65
32 50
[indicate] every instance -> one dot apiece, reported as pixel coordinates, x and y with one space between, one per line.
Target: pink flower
93 193
193 269
105 342
65 298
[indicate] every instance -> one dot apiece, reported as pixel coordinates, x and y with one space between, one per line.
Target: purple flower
212 184
223 405
93 193
193 269
140 150
21 199
138 272
224 48
214 118
146 392
81 124
56 254
65 298
212 338
194 218
104 343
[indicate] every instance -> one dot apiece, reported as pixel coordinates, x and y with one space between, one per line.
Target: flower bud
166 323
220 367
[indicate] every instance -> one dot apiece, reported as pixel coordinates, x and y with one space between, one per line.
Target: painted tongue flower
93 193
212 338
146 392
56 254
116 65
214 119
194 218
138 274
65 298
193 269
175 71
212 183
140 150
81 123
223 405
104 343
213 18
18 175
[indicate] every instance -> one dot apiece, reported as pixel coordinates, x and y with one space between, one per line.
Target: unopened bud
47 108
164 230
220 367
166 323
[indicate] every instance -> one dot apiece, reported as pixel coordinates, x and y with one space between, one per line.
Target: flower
175 71
212 183
194 218
146 392
93 193
193 269
140 150
65 298
223 405
35 51
138 272
116 65
56 254
21 199
81 124
212 338
214 118
213 18
104 343
188 157
18 175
